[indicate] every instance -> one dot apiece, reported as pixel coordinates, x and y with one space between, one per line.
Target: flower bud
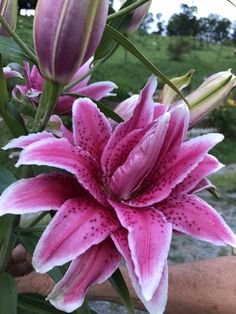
8 9
137 17
209 95
66 35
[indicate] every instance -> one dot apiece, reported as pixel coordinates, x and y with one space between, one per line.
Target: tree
160 24
185 23
145 26
27 4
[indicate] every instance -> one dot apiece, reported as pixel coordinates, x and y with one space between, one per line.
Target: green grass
226 151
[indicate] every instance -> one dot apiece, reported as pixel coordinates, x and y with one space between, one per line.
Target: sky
205 7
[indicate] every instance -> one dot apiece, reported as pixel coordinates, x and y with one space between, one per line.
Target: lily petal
91 129
209 165
191 215
143 115
60 153
204 184
84 223
174 169
158 302
98 90
25 140
42 193
140 161
149 237
93 267
57 127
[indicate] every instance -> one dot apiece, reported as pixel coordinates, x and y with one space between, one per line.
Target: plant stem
81 78
48 101
126 10
18 40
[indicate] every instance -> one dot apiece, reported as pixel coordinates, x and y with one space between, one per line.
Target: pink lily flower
126 191
34 85
9 73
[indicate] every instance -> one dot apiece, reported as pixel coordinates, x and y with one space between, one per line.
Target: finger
35 283
19 269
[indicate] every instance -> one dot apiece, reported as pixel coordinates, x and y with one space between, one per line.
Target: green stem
81 78
17 39
127 44
38 219
126 10
48 100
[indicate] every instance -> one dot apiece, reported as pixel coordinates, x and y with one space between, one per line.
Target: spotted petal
25 140
191 215
143 115
93 267
174 169
61 154
91 129
79 224
207 166
158 302
149 236
42 193
140 161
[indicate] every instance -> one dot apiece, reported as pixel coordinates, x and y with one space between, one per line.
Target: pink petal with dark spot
98 90
60 153
158 302
143 115
93 267
207 166
149 236
42 193
91 129
140 160
191 215
79 224
174 168
25 140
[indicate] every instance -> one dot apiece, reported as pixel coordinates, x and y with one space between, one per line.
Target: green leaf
127 44
107 46
120 286
35 304
6 178
8 294
7 238
9 48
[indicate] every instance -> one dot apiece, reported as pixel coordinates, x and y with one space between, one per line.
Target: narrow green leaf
106 110
8 294
127 44
120 286
35 304
6 178
7 238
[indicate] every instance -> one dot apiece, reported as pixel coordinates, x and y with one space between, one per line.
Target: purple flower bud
138 16
66 35
8 9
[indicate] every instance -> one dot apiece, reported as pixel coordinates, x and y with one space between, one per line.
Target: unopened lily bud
66 35
137 17
8 9
209 95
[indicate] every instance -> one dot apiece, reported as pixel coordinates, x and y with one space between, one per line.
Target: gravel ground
185 248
